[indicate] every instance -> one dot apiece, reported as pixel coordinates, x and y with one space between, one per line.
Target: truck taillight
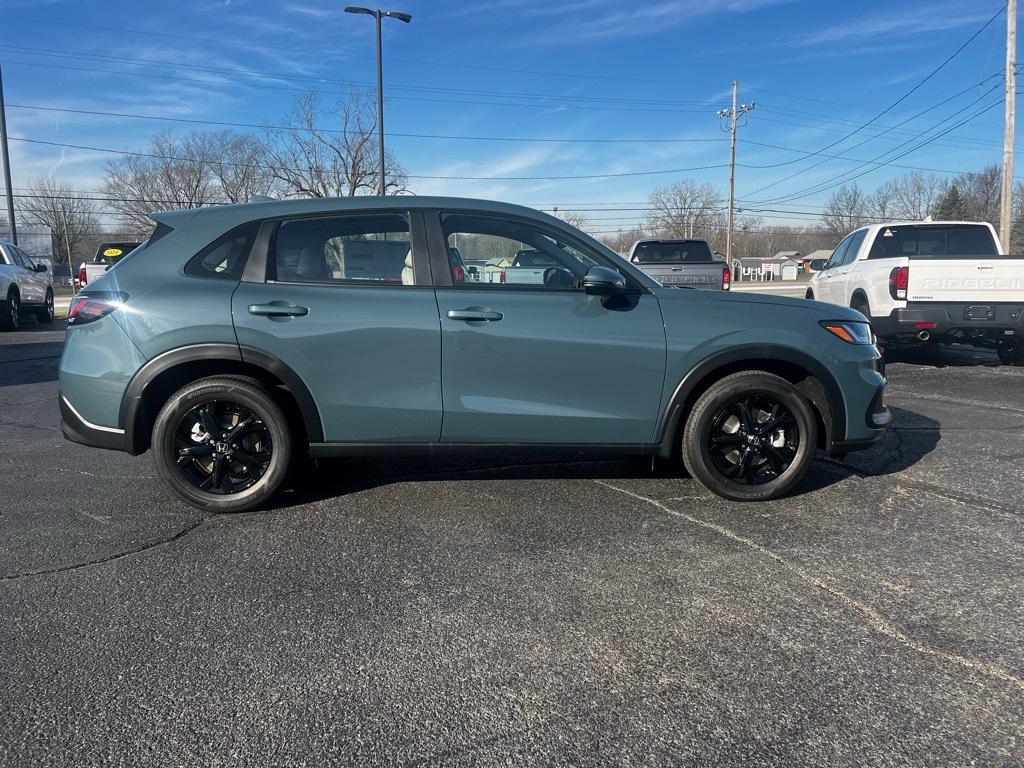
88 307
501 279
899 278
460 275
726 278
82 277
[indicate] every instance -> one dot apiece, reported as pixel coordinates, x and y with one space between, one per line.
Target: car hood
822 310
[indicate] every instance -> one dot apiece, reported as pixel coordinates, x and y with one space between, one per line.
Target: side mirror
39 268
603 281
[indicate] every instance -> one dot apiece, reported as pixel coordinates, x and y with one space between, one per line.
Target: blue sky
570 72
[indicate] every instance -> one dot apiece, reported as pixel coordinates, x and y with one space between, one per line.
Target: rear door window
365 249
854 246
838 254
934 241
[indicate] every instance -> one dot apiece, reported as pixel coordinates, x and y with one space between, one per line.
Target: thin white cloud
900 23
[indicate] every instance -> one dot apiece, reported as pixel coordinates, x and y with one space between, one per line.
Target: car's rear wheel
10 313
222 444
750 437
45 313
1011 352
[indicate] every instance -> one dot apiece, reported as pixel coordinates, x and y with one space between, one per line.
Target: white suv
25 286
942 281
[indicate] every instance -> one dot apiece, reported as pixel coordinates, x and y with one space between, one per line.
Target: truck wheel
222 444
809 294
45 315
10 313
750 437
1011 352
861 306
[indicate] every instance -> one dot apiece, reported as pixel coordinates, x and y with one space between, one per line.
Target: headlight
849 331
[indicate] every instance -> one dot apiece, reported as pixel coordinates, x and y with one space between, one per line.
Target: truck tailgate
980 278
690 275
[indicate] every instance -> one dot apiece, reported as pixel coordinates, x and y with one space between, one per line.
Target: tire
1011 353
252 465
10 312
45 313
717 439
809 295
861 305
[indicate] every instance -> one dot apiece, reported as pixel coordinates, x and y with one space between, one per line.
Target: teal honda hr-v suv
239 338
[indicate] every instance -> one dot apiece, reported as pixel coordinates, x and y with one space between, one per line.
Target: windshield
672 252
934 241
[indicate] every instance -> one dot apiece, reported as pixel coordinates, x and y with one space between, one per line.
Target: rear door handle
474 313
278 309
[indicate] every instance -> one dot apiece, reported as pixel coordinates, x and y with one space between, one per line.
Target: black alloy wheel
222 447
222 443
753 439
750 436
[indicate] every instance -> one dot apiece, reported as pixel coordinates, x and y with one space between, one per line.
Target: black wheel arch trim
131 402
835 419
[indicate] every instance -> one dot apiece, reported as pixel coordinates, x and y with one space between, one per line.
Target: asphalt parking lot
496 611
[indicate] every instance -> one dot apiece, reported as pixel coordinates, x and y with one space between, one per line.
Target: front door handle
473 313
278 309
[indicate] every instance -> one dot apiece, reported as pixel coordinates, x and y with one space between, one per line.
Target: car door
345 301
547 363
29 282
839 281
824 279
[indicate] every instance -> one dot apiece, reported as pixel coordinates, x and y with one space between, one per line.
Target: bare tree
71 217
573 218
847 209
623 240
175 173
236 162
980 193
916 195
685 209
311 160
882 203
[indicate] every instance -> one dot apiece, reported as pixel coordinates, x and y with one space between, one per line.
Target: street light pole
7 163
378 15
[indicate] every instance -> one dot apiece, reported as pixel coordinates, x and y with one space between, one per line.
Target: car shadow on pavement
912 437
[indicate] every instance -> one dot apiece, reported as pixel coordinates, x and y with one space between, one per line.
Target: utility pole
733 115
7 162
1009 128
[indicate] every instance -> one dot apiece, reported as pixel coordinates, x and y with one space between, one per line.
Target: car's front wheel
750 437
10 312
222 444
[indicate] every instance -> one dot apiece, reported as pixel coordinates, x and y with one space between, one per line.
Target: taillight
460 275
726 278
899 278
87 307
502 278
82 277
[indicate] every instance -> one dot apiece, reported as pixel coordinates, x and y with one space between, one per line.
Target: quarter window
373 249
503 253
225 257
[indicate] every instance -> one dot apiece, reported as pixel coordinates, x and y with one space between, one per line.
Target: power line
894 104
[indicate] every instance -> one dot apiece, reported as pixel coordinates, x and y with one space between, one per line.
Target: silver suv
25 286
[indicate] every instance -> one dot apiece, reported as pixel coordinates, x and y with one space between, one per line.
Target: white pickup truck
920 282
107 254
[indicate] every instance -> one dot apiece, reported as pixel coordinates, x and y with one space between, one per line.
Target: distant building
821 254
782 266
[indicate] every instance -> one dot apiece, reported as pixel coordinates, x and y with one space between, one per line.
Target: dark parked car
239 337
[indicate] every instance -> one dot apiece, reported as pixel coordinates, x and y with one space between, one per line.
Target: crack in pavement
111 558
874 619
